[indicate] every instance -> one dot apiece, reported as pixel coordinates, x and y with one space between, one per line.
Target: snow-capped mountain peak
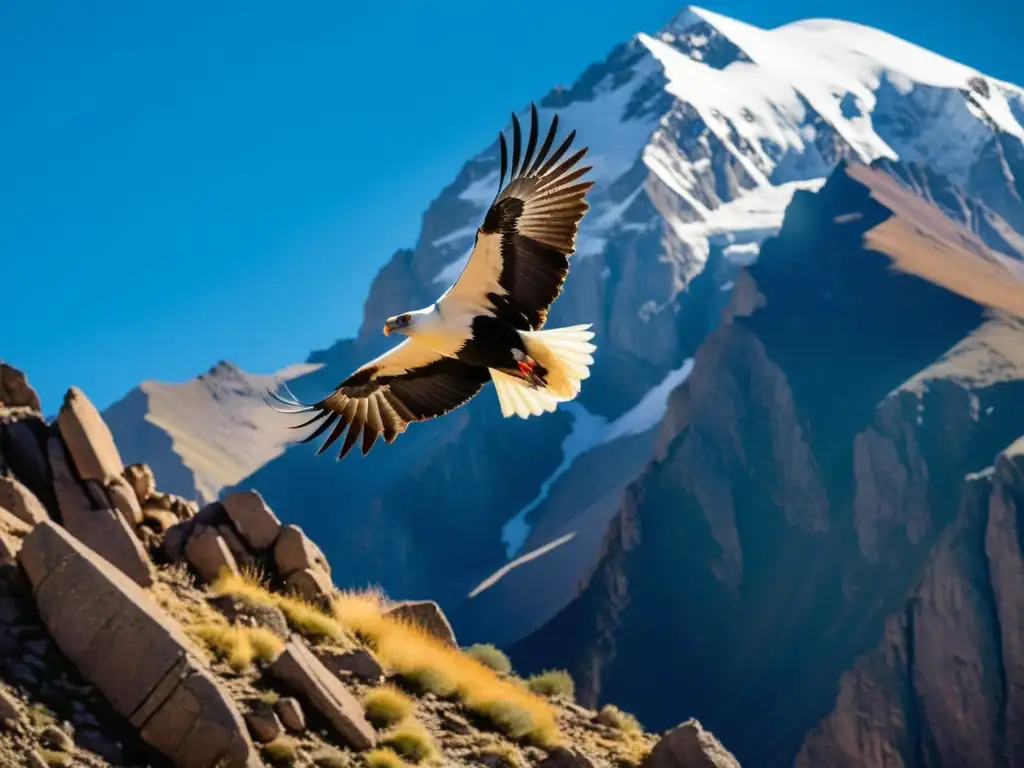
709 109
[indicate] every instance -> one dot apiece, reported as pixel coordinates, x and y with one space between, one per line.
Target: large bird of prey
488 325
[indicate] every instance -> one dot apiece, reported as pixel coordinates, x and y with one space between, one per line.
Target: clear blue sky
184 182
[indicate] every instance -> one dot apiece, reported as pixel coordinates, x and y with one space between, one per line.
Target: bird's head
399 324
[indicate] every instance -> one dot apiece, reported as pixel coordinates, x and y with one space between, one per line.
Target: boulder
181 508
689 746
566 757
262 720
103 531
240 611
310 584
140 478
427 615
126 646
15 389
9 710
255 522
299 670
12 524
242 554
88 439
295 552
290 712
175 539
23 445
9 547
359 663
124 501
20 501
158 519
208 555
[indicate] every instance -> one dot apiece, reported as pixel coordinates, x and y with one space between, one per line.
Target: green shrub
331 758
384 758
506 718
614 717
491 657
430 680
280 751
412 742
386 706
554 682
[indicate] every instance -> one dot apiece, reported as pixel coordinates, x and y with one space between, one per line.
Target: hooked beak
387 329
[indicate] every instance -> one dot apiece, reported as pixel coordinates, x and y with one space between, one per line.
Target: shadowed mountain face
803 474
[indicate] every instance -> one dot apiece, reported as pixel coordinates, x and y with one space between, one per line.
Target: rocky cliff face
805 470
947 679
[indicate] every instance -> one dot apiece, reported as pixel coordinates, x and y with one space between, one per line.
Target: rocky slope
135 632
205 434
869 363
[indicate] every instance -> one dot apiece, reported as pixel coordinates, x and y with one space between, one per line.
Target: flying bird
489 325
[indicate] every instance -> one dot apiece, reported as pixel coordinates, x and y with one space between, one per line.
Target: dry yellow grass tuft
239 646
415 655
386 705
302 616
412 742
384 758
614 717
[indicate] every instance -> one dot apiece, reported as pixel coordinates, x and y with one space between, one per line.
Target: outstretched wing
408 383
521 256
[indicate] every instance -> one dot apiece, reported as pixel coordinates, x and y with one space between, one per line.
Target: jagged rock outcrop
947 678
139 658
688 745
15 390
304 674
88 439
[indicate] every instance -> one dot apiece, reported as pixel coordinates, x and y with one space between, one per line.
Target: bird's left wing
408 383
520 259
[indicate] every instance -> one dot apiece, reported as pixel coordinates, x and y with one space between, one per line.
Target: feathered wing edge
541 166
388 405
371 417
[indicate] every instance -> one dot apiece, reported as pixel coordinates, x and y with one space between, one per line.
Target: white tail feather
566 354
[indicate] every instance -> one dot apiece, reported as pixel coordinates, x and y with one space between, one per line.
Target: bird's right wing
520 258
407 383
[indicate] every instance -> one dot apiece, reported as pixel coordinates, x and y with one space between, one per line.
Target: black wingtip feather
566 143
335 434
546 147
531 143
504 160
321 429
517 141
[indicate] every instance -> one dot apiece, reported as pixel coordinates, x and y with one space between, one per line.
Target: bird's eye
403 320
